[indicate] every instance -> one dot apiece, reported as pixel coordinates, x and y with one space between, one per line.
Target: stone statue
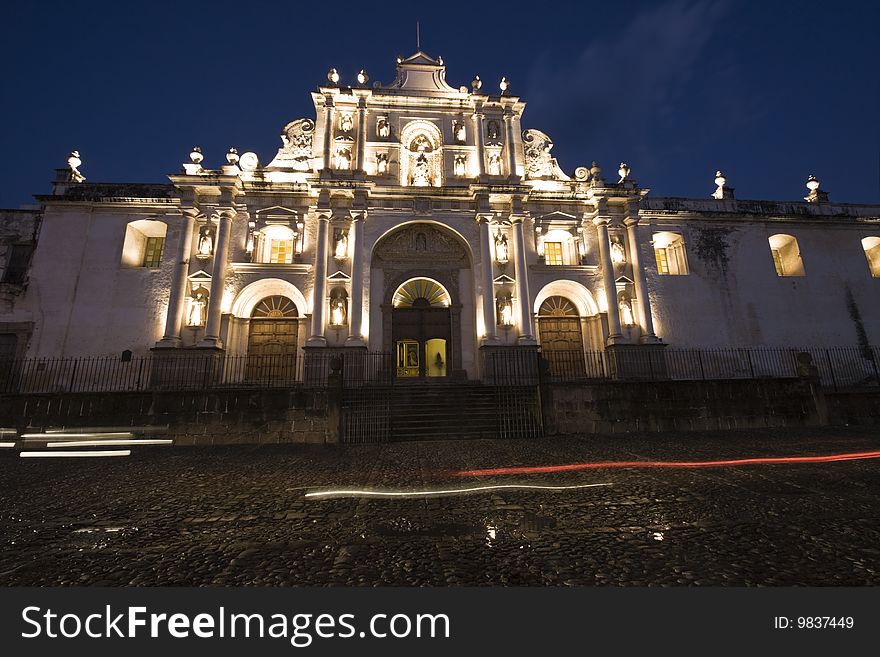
73 164
197 307
505 311
346 122
459 165
341 249
382 163
420 177
296 149
343 158
206 242
459 132
493 129
626 313
501 250
337 311
383 129
618 254
494 164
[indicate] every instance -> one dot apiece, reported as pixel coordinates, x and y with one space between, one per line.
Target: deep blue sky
768 91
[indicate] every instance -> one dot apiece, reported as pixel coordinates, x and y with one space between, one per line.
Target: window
872 253
670 254
144 243
786 255
153 251
280 251
553 253
18 259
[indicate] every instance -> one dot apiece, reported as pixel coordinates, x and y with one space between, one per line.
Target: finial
333 76
812 183
815 195
504 85
476 83
624 172
196 156
362 77
232 156
399 59
722 191
73 163
440 60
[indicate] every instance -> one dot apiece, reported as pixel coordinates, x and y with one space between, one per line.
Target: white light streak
87 454
7 444
99 443
61 436
442 491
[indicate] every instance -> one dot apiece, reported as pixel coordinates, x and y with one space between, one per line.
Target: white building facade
423 220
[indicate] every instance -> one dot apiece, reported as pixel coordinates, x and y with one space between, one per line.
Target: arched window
871 245
421 292
558 248
670 254
144 243
786 255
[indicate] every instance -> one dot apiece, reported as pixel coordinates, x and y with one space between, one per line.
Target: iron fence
838 368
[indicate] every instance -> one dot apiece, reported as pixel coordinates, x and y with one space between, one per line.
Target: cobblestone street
239 515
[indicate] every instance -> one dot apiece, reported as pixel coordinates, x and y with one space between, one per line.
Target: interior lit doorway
421 329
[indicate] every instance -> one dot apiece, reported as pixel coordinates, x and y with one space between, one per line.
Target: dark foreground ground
238 515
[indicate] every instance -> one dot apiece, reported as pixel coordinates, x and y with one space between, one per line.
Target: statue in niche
383 128
340 250
502 253
382 163
459 165
626 313
346 122
618 254
493 130
505 311
206 242
421 242
459 132
343 158
494 164
338 312
198 304
420 177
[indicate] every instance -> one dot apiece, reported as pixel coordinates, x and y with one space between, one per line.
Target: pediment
201 276
557 216
339 276
277 211
503 280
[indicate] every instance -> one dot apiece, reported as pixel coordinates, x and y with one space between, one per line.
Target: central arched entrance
271 350
421 329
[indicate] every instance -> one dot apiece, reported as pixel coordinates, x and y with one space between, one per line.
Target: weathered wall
193 418
620 407
856 408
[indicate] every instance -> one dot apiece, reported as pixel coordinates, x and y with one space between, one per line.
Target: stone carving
618 254
383 128
459 165
206 242
73 164
494 164
459 132
346 122
338 307
505 310
502 252
382 163
493 129
198 304
421 243
626 313
296 149
340 248
343 158
536 153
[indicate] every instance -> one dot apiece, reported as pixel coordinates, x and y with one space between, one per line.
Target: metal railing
838 368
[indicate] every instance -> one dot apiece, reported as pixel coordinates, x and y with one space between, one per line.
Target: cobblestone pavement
238 515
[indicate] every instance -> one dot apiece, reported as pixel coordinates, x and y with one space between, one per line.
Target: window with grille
280 251
553 253
662 261
153 251
777 262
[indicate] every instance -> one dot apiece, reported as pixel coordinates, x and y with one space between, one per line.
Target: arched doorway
562 340
272 343
421 329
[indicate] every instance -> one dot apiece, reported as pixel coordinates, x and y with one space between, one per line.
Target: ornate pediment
539 164
296 149
418 243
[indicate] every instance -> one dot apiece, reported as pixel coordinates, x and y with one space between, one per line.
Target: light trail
570 467
4 444
442 491
61 436
66 454
114 442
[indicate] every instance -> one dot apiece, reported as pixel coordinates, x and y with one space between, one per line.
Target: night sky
768 92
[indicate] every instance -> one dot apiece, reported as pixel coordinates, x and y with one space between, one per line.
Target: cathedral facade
425 221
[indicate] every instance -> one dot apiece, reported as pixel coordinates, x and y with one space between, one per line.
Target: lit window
153 251
662 261
669 252
786 255
872 253
553 253
280 251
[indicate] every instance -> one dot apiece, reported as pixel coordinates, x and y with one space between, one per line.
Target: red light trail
770 460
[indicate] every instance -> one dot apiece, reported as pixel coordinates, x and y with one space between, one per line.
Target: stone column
488 283
510 143
478 141
218 280
319 292
646 322
526 331
614 334
174 317
328 131
356 314
362 133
